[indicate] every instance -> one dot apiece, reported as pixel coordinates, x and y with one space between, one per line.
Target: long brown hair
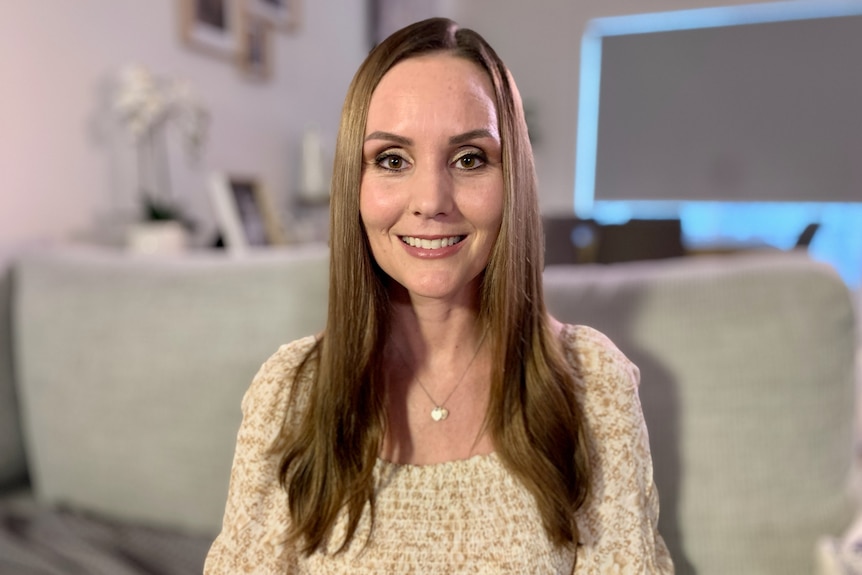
533 416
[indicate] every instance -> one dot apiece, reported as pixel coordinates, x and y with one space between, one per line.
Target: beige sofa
128 372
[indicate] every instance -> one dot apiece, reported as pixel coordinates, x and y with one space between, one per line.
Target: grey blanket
39 541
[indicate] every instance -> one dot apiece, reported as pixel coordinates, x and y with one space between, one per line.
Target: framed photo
281 14
213 26
255 58
244 213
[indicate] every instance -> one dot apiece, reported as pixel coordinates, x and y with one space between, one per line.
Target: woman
443 422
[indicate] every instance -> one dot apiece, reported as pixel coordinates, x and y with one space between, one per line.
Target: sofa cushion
747 368
132 370
13 468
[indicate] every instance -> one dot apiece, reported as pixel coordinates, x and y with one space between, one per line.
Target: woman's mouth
434 244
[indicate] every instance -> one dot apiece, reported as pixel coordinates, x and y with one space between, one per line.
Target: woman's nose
431 192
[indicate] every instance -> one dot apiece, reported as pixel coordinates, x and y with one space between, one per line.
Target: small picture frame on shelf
244 213
213 26
255 58
281 14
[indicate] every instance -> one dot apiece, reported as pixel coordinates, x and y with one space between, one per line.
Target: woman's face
431 195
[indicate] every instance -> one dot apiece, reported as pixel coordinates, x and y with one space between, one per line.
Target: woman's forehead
441 88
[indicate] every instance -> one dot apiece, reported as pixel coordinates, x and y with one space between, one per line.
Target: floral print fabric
467 516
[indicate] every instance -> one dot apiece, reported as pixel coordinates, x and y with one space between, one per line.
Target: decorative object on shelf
255 58
148 107
314 185
212 26
238 31
244 212
282 14
157 237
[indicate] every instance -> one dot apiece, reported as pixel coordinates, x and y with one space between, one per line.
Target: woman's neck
435 335
438 374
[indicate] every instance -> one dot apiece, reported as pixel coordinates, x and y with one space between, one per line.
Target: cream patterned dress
467 516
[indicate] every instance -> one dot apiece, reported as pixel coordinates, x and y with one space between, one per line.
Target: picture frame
244 213
213 26
255 56
283 15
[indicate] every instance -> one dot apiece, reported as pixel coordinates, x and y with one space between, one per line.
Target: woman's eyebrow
388 136
454 140
471 135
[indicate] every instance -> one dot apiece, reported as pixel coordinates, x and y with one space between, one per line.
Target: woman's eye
390 162
470 161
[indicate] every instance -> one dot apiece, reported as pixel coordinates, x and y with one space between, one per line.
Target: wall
65 169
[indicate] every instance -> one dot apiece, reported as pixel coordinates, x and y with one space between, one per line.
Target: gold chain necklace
440 412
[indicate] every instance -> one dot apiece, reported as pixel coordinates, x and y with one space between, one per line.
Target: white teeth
431 244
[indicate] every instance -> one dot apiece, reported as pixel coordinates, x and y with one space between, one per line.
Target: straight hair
534 418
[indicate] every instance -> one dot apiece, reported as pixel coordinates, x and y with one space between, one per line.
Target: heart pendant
439 413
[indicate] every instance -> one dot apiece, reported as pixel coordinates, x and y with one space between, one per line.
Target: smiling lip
432 243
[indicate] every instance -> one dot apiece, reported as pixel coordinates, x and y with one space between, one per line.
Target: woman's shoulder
270 389
288 356
621 511
592 354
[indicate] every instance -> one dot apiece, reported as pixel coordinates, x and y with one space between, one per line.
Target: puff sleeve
618 522
255 524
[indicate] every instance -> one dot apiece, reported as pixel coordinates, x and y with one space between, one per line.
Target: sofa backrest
131 370
747 371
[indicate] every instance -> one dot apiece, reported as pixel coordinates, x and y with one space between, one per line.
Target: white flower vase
157 237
